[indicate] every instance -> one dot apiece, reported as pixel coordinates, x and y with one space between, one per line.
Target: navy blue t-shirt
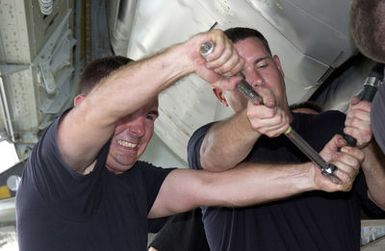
183 232
59 209
310 221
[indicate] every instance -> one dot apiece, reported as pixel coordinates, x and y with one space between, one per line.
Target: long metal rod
326 168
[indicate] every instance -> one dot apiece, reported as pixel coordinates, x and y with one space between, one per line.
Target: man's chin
119 166
118 170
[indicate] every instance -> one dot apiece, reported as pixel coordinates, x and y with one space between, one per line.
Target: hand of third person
348 161
357 122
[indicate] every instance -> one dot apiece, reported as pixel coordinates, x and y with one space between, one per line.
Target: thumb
332 147
354 100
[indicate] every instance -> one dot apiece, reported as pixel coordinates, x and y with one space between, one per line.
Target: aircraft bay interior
44 45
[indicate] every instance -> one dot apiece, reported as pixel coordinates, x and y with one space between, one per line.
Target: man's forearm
248 184
252 183
256 183
227 143
374 170
132 86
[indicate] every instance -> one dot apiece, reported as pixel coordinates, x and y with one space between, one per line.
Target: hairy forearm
374 170
258 183
227 143
129 88
246 185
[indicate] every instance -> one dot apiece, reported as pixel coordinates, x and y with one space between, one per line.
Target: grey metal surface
373 235
37 91
24 30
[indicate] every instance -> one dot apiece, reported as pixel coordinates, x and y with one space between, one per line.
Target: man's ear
78 99
277 62
219 94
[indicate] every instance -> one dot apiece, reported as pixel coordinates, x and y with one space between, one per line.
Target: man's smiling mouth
127 144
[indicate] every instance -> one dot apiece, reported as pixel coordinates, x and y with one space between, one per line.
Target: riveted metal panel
24 29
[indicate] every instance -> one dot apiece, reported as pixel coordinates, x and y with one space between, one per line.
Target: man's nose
137 127
253 77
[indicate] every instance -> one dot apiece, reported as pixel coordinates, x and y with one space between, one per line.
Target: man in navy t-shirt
254 136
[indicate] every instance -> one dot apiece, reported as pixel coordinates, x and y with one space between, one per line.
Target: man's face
260 69
131 137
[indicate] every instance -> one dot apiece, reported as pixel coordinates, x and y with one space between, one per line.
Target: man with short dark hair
255 134
83 187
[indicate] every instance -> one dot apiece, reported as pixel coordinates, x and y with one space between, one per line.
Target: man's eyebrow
261 59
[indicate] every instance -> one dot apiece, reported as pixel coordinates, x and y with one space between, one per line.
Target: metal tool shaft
326 168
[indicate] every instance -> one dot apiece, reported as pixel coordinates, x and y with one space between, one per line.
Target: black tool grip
351 141
375 78
368 93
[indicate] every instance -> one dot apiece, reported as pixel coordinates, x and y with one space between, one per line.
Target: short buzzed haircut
240 33
99 69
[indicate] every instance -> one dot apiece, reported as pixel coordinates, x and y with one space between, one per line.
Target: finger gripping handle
367 94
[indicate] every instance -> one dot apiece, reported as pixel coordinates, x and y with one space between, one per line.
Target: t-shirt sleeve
194 146
153 177
155 225
55 182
